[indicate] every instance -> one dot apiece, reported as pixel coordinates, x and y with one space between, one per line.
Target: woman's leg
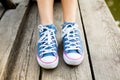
73 51
69 10
47 45
46 11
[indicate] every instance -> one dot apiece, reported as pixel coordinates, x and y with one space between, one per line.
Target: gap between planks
103 39
10 24
26 67
87 45
75 73
2 10
63 71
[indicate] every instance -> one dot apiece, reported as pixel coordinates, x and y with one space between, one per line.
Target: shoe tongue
73 51
48 54
51 26
70 24
44 30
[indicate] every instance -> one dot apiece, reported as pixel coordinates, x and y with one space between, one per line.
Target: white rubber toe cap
48 59
73 58
48 62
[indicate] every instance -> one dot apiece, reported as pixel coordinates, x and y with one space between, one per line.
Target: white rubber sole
50 65
73 62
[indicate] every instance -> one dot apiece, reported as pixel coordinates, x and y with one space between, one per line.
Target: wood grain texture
10 25
103 38
54 0
26 66
63 71
17 1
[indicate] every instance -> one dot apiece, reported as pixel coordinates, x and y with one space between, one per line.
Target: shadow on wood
7 4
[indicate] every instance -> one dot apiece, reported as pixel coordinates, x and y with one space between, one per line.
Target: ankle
46 25
47 22
69 22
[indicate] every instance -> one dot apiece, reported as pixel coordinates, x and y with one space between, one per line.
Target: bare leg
69 10
46 11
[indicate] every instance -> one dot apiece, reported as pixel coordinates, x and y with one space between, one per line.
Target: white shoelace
66 31
47 40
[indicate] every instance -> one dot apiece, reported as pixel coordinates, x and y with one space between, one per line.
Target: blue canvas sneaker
47 55
72 44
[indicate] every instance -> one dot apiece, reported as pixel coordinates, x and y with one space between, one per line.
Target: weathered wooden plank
63 71
103 39
54 0
17 1
1 10
26 66
10 26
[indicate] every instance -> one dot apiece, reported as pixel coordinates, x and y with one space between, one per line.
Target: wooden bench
100 37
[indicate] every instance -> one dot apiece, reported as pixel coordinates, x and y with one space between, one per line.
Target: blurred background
114 6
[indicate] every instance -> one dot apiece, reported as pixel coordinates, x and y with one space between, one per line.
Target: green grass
114 6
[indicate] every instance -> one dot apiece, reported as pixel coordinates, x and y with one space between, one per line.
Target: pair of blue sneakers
47 55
